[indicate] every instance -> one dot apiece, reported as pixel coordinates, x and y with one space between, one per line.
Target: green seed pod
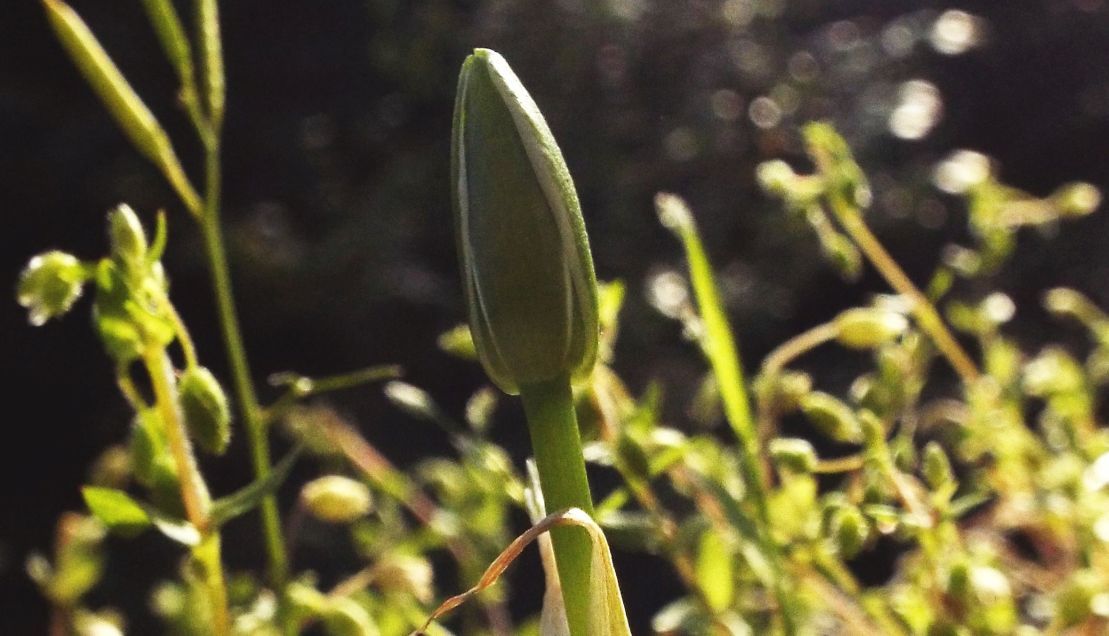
50 284
869 327
336 499
524 253
834 418
130 112
793 454
206 411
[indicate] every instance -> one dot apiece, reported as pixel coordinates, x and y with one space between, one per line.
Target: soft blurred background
338 212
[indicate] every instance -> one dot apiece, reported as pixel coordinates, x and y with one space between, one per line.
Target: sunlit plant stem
556 443
843 184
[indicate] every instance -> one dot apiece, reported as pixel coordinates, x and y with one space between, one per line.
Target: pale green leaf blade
116 510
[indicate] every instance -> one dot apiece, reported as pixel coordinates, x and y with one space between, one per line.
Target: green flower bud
406 574
784 389
872 427
850 530
886 518
128 240
834 418
1053 372
50 284
793 454
775 177
868 328
336 499
524 253
958 582
458 342
206 411
937 467
413 400
843 255
1076 199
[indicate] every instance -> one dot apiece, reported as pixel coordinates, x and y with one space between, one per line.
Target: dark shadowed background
338 212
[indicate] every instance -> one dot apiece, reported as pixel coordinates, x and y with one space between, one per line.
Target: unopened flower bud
204 405
793 454
1076 199
787 388
775 177
843 254
336 499
868 328
1053 372
50 284
526 265
850 530
937 467
127 238
408 574
834 418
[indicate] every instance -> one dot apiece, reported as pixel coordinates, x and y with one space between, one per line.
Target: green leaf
171 35
241 501
117 510
714 570
717 341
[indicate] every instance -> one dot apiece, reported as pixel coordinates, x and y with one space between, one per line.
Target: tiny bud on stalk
525 258
336 499
793 454
834 418
127 238
868 328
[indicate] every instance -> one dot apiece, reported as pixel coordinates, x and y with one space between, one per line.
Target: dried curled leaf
606 610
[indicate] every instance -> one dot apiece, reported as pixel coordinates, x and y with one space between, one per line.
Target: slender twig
183 337
240 368
850 217
796 346
300 387
775 363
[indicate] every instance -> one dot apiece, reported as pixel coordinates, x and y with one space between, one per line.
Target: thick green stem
240 369
556 444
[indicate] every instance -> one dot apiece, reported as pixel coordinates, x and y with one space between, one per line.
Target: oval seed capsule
206 411
336 499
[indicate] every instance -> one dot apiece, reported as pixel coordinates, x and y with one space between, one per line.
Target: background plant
709 214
